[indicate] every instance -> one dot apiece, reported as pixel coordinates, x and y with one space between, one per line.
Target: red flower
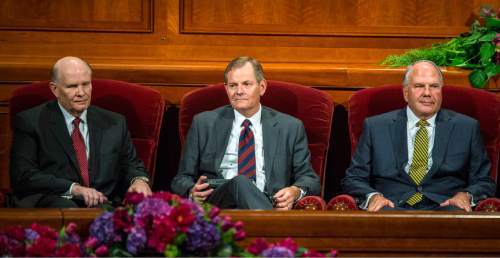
69 250
16 248
42 246
183 216
71 228
122 221
15 232
161 233
90 243
239 235
213 212
3 244
44 231
133 198
288 243
257 246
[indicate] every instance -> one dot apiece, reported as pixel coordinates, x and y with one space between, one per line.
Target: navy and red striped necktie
246 152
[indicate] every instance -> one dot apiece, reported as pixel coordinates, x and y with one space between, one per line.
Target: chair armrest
488 205
310 203
342 202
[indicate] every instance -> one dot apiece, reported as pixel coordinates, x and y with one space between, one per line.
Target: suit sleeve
481 186
189 164
357 179
130 163
26 174
303 173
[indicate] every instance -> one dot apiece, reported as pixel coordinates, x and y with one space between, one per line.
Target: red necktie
246 152
80 151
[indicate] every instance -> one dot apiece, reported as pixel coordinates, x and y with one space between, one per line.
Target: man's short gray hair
240 62
54 72
409 71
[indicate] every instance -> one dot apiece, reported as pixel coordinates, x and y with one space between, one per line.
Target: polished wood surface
354 233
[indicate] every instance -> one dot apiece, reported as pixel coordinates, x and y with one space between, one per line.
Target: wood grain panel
401 18
84 15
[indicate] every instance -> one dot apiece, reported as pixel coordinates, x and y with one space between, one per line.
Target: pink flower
257 246
214 211
161 233
44 231
101 251
16 232
183 216
166 196
42 246
91 243
71 228
239 235
333 253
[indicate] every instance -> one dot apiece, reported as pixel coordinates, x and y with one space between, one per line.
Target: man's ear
263 86
405 93
53 88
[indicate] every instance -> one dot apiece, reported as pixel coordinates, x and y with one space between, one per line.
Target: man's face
424 91
244 91
73 88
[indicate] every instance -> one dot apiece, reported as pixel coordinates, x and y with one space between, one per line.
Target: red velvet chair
143 107
479 104
312 106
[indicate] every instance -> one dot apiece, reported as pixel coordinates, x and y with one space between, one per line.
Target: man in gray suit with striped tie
260 154
421 157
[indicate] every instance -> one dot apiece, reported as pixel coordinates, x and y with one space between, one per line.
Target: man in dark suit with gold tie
262 153
421 157
68 153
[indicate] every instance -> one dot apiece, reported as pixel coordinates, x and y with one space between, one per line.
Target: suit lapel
270 136
60 132
223 127
441 139
399 140
95 139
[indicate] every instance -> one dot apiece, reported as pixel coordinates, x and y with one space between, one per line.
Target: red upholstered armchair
479 104
312 106
143 107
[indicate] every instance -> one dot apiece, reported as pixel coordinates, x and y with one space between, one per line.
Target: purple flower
202 237
277 251
30 234
136 240
102 228
150 207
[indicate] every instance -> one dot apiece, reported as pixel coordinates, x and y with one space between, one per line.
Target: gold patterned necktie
418 167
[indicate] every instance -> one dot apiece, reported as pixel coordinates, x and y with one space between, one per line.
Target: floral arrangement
163 224
478 50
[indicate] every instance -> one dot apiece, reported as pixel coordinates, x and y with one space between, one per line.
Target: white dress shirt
229 164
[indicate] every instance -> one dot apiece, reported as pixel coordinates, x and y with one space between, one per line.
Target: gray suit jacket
460 162
286 154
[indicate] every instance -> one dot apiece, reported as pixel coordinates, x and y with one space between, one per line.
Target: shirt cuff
69 194
364 205
143 178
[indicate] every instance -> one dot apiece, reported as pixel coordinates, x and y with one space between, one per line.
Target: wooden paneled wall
177 45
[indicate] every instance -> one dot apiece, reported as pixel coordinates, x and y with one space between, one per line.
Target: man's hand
200 190
377 202
286 197
460 200
91 196
140 186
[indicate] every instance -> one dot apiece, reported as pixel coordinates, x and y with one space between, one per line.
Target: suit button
419 188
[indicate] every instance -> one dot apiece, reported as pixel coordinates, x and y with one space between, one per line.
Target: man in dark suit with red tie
68 153
262 153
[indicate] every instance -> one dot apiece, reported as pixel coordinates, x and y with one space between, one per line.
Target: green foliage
477 50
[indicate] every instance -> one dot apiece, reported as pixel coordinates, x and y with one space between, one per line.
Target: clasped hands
460 200
92 197
285 197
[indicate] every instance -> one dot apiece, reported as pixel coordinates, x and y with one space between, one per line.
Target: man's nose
79 90
427 90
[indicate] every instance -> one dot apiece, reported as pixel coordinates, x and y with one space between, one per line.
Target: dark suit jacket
43 160
286 153
460 162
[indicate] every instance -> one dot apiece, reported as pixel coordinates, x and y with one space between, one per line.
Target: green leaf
171 251
473 38
180 238
492 23
225 251
489 36
486 51
118 252
478 78
492 70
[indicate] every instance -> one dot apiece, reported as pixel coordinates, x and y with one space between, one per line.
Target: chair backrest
479 104
143 108
313 107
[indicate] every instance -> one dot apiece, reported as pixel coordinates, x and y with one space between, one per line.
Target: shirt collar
413 119
69 117
255 119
